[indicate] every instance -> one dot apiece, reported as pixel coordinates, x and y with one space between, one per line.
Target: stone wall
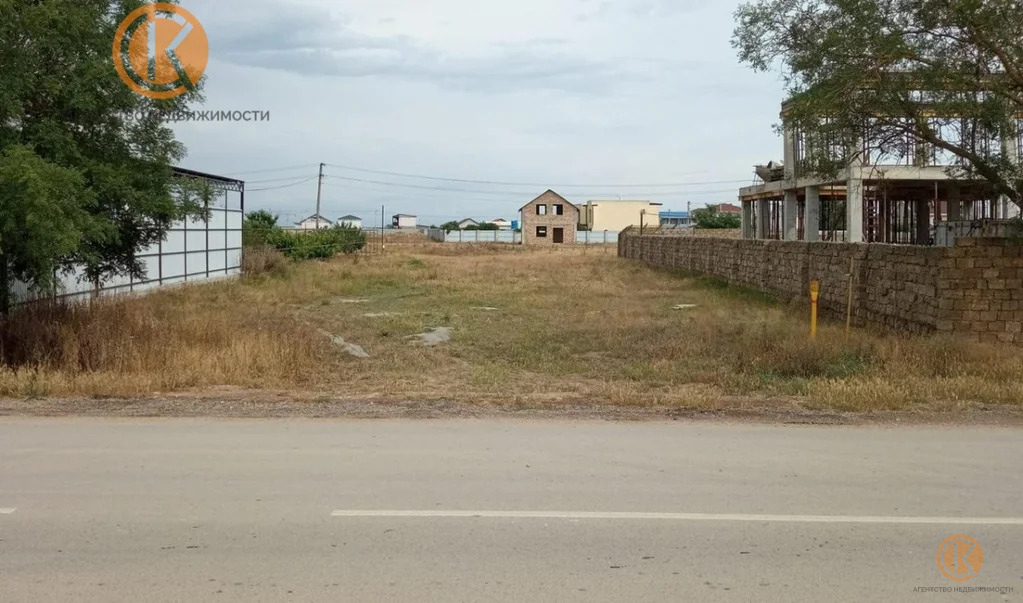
981 286
974 289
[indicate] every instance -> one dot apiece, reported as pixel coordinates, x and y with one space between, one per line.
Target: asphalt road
466 510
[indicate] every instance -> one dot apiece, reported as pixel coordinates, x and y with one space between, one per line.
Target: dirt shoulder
241 404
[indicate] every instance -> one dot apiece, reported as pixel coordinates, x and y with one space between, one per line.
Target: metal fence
192 251
602 237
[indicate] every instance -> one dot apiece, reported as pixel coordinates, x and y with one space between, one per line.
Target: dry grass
570 326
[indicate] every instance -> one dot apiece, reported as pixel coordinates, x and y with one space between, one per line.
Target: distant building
617 215
549 220
350 221
404 221
467 223
501 224
311 223
727 208
674 219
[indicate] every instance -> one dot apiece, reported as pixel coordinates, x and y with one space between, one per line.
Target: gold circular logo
161 50
960 558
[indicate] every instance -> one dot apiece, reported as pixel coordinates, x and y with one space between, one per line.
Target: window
559 210
541 210
541 232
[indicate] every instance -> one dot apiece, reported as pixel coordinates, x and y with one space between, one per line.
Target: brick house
549 220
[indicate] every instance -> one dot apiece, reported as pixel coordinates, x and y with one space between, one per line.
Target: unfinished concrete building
878 198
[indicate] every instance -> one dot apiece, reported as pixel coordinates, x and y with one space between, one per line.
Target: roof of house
349 217
468 220
599 201
573 205
728 207
313 217
495 220
404 216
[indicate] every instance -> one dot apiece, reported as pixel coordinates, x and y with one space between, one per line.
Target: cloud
311 41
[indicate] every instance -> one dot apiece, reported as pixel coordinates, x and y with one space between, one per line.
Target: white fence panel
192 251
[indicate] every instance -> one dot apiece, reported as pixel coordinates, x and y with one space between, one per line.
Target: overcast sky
544 92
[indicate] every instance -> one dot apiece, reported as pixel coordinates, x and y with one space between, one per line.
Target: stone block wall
981 285
974 289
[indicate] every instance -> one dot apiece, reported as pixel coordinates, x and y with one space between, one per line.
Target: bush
705 218
257 226
264 261
317 244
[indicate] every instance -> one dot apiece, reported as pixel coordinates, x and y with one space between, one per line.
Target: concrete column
812 216
789 138
747 219
955 205
790 231
854 211
763 218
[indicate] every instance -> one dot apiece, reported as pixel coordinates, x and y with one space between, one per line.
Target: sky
616 96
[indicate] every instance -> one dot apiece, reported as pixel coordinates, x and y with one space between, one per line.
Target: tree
710 219
450 226
257 226
911 78
86 176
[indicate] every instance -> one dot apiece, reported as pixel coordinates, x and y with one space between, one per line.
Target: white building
501 224
467 223
311 223
404 221
350 222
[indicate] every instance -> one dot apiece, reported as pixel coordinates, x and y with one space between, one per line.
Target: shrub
264 261
317 244
257 226
705 218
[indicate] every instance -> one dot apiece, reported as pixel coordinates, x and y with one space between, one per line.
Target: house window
541 210
541 232
559 210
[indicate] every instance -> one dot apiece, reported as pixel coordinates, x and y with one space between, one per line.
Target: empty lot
529 329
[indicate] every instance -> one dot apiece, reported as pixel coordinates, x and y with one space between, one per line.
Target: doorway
559 235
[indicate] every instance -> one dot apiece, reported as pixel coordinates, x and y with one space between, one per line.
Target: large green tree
86 174
923 82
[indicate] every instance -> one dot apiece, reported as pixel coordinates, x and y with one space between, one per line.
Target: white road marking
1011 521
7 511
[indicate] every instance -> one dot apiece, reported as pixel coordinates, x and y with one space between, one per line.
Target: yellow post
815 292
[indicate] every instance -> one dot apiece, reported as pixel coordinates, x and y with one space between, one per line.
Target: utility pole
319 192
382 214
689 213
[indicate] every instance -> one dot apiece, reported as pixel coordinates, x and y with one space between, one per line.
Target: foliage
449 226
324 243
86 168
257 225
710 219
922 81
489 226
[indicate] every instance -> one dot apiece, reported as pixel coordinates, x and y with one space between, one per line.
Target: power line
272 170
519 194
273 180
274 188
499 183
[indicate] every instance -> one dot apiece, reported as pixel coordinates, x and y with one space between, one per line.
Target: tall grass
569 326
